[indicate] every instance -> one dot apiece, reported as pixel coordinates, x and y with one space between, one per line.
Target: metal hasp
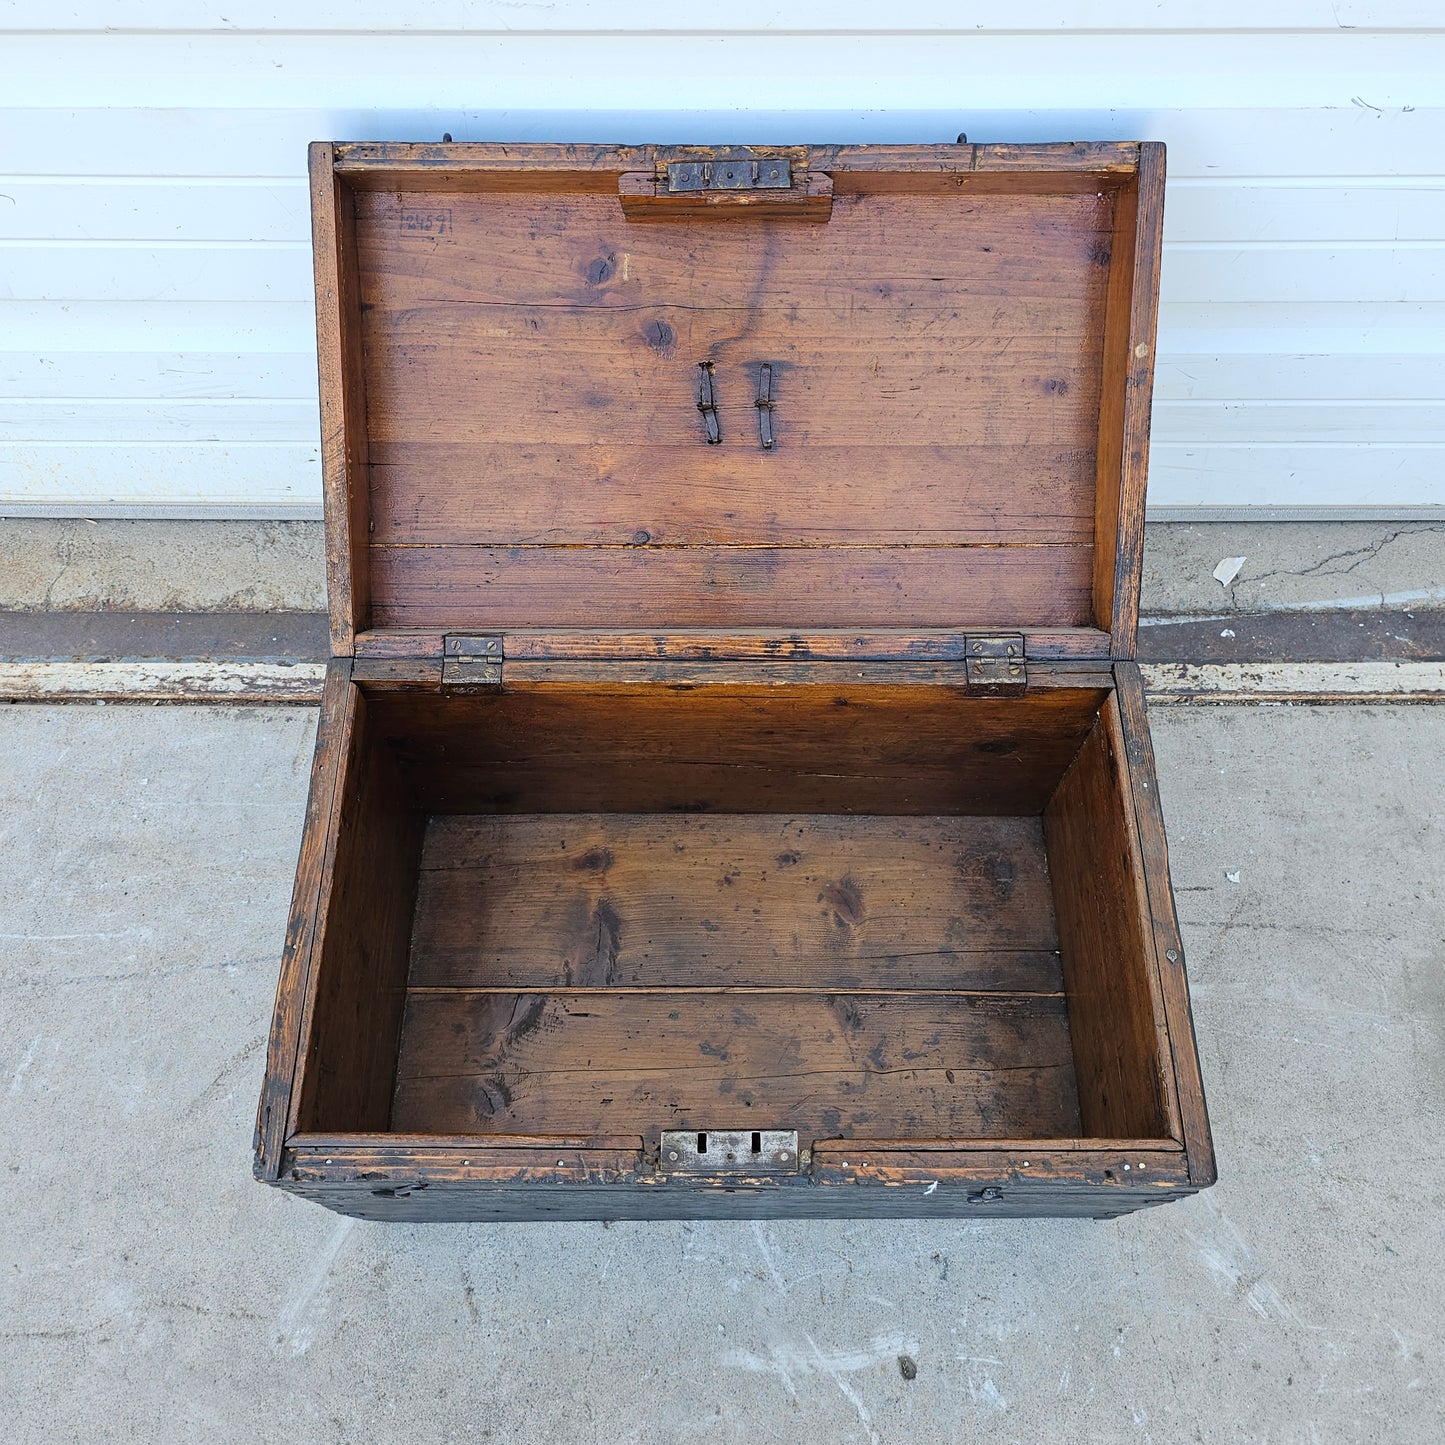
707 403
764 405
775 174
996 663
728 1151
472 664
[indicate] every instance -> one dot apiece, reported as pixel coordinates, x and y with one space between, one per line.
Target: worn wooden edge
1130 324
345 493
349 701
1132 775
716 644
333 743
390 1162
1133 726
541 166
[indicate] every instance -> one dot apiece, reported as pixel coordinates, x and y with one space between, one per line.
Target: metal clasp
728 1151
764 404
773 173
707 403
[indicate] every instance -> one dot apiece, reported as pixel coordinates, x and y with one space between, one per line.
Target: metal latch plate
996 663
769 174
472 662
729 1151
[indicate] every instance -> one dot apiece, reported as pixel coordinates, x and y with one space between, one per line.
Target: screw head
1172 954
672 1154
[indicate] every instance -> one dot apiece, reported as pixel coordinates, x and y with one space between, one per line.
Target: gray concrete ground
147 566
150 1290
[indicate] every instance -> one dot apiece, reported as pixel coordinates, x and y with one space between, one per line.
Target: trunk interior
866 912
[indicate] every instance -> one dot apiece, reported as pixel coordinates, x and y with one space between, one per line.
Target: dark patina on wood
730 730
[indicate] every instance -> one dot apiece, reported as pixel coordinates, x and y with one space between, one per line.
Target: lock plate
729 1151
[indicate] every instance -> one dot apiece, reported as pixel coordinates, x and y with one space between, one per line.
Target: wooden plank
295 986
597 489
711 644
1130 321
859 749
492 588
363 931
540 165
628 900
1116 1017
343 403
532 379
827 1065
1168 956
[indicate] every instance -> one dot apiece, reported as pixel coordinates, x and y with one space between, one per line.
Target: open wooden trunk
733 795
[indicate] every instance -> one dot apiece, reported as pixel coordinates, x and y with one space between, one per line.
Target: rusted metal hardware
996 663
769 174
472 663
764 405
707 403
728 1151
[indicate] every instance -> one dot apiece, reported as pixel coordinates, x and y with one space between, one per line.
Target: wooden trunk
733 794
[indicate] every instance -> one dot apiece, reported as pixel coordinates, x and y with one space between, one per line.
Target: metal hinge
769 174
729 1151
472 663
996 663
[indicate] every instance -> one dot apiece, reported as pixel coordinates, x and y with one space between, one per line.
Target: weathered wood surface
342 382
642 748
1127 705
531 403
349 1039
945 169
828 1065
618 900
1116 1014
704 644
276 1112
1130 323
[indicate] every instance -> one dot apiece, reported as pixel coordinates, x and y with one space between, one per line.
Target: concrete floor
150 1290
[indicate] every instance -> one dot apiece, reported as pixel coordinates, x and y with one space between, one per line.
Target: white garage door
156 353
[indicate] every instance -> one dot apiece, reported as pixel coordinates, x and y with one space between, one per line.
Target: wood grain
295 985
644 748
362 945
826 1065
1168 960
1130 322
761 901
721 644
502 588
1116 1015
343 406
531 403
